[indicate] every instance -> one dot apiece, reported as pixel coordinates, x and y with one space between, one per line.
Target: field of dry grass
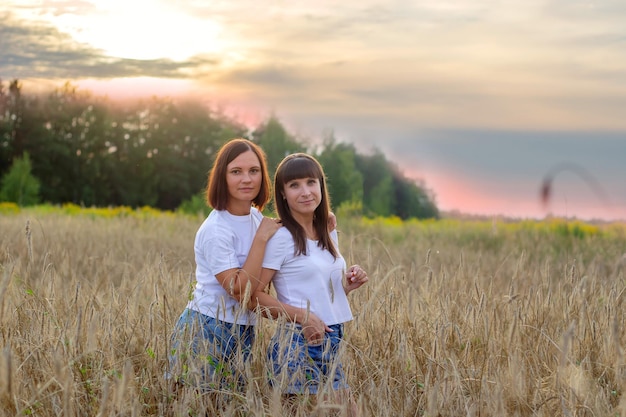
459 318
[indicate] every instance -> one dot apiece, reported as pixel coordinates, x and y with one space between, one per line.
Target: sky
482 102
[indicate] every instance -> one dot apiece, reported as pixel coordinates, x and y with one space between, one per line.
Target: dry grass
456 321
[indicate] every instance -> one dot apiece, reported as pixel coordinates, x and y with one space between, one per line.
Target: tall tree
413 200
345 181
388 192
378 194
66 141
5 131
19 185
11 118
276 142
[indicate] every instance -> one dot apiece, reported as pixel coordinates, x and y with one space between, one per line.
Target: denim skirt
296 367
208 353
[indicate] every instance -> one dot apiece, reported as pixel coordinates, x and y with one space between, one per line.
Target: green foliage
381 197
388 192
413 200
276 142
71 150
9 208
378 196
568 229
350 209
196 205
19 185
345 181
89 151
5 130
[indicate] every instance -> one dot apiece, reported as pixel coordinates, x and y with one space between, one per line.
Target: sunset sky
480 100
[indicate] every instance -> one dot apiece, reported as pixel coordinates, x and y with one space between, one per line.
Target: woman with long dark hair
311 281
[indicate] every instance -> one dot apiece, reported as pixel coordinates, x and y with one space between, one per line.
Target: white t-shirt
222 242
314 279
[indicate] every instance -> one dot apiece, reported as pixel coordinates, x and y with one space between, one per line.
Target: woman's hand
313 329
267 228
332 221
355 277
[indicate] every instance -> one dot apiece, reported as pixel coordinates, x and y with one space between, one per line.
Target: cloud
438 64
510 167
40 50
55 7
541 64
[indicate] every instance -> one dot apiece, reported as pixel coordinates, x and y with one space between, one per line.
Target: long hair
297 166
217 188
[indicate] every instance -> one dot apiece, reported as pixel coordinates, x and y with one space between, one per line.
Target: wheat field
460 318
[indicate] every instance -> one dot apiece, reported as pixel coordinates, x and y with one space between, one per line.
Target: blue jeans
297 367
209 353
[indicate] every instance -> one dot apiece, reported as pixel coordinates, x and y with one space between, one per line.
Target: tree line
69 146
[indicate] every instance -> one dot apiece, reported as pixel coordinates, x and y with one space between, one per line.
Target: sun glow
137 87
143 29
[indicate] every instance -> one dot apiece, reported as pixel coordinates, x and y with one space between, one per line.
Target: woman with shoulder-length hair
213 335
311 281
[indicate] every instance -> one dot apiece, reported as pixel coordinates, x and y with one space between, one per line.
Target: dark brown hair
297 166
217 188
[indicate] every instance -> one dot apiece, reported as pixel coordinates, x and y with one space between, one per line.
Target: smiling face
243 178
303 195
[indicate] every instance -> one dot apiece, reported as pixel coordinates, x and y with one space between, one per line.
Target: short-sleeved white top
222 242
314 279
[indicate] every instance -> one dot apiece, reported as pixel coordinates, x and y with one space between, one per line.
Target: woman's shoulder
217 221
254 212
279 248
281 241
282 235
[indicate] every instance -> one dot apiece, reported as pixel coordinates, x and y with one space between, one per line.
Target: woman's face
243 178
303 195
